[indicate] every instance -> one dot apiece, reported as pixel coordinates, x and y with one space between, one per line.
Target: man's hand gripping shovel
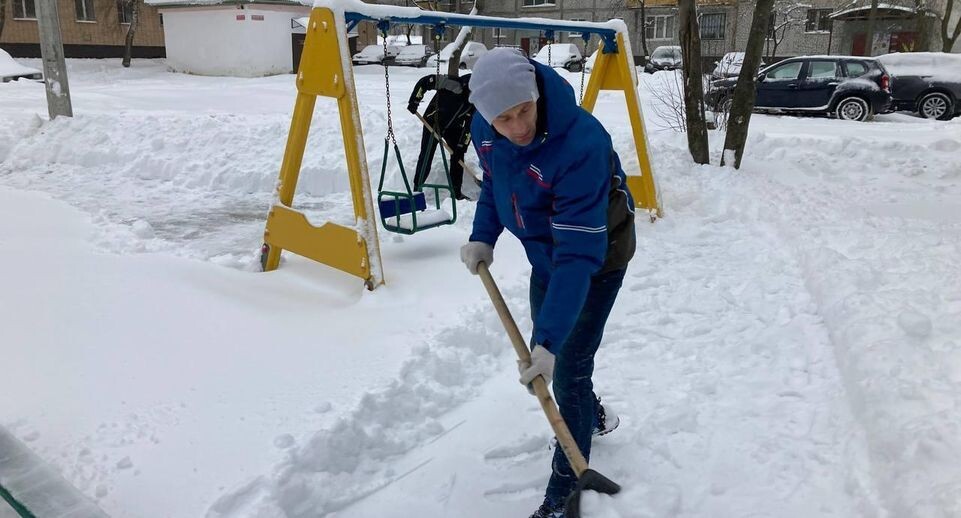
586 477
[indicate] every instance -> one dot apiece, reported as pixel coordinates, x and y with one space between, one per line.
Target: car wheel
853 109
935 105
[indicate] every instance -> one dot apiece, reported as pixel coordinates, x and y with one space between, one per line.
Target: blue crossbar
421 17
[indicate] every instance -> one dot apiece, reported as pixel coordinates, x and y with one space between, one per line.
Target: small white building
231 37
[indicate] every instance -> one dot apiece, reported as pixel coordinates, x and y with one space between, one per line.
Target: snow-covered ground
787 342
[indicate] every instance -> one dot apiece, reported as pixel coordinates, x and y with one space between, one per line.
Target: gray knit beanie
501 79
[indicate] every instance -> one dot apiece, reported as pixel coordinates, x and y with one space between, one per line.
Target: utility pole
54 67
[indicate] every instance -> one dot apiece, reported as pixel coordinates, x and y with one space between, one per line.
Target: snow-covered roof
856 11
191 3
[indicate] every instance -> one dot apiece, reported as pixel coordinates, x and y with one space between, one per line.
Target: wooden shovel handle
444 143
564 437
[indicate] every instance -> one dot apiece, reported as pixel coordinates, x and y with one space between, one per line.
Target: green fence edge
15 504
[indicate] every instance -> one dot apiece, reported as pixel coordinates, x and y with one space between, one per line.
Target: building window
498 33
712 26
537 3
818 20
660 27
24 9
125 11
575 34
85 12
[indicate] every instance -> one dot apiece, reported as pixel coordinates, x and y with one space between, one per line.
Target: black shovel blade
593 481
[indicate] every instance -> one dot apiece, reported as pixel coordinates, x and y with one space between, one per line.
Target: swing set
326 70
406 212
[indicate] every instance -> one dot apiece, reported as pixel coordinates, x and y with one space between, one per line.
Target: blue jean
573 388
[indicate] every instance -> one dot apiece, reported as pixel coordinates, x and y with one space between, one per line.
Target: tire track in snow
734 405
876 254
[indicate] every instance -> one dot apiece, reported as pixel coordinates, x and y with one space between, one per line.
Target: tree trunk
693 83
746 90
131 32
3 15
643 30
872 21
947 40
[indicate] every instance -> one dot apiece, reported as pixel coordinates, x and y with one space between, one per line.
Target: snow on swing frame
355 249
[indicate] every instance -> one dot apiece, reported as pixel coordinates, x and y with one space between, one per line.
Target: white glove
542 364
475 252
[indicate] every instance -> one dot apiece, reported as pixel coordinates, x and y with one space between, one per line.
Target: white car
413 55
10 70
562 55
730 66
375 54
473 50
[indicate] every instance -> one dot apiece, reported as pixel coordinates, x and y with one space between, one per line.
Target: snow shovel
450 152
586 477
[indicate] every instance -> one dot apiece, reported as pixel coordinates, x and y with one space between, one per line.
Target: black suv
848 87
928 83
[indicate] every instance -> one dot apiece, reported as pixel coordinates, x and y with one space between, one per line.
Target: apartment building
89 29
796 28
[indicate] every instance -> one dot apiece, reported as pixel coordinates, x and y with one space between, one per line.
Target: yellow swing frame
356 250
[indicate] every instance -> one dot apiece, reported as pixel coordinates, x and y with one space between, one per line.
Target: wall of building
103 37
229 41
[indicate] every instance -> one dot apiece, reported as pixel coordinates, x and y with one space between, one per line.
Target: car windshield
666 53
733 59
413 50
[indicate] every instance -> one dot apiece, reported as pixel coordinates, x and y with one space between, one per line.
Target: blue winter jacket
564 196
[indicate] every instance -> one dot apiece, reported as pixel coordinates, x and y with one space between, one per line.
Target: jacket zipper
517 211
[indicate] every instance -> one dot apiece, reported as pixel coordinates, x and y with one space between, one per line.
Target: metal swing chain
390 117
550 40
437 34
587 47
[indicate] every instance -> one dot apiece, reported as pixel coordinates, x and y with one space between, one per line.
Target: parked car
10 70
730 66
413 55
562 55
847 87
927 83
375 54
664 58
473 50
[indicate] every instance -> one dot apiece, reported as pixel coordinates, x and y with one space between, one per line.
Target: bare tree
643 7
872 22
785 15
667 102
949 37
134 6
693 82
745 91
3 15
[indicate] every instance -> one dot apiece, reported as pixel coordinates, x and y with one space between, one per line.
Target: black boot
546 510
